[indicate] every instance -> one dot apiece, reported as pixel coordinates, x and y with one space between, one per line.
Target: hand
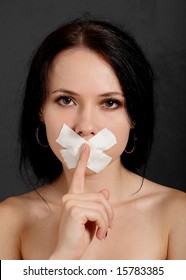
83 215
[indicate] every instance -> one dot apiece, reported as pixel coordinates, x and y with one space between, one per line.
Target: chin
89 172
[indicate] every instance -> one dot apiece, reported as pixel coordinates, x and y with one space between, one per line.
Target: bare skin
147 225
83 215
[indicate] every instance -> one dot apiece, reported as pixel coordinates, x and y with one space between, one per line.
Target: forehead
78 55
82 67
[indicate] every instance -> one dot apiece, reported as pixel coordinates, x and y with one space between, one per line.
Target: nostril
86 133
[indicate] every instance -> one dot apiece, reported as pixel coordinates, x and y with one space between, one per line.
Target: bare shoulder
11 210
16 215
171 198
172 212
23 208
12 223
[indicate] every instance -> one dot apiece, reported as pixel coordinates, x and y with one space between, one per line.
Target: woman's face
85 94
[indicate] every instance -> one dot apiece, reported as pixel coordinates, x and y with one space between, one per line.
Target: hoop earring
37 138
133 148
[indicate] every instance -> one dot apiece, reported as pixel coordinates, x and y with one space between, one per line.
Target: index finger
78 180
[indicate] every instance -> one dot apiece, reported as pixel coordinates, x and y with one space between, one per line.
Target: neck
117 179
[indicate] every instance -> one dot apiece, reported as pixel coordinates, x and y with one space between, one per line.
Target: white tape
72 144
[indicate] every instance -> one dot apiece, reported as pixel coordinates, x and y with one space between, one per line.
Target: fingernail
111 224
84 147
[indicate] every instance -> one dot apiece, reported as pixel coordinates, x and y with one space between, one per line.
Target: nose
86 123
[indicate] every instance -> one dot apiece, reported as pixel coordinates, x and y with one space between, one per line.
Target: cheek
122 136
52 131
54 121
122 140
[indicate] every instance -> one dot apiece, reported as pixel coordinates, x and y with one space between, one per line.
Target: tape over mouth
72 144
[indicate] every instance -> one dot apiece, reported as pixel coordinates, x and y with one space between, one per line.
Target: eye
65 101
111 103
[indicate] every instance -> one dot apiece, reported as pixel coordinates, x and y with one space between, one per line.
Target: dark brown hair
132 69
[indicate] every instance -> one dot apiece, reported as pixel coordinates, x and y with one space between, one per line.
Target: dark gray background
160 28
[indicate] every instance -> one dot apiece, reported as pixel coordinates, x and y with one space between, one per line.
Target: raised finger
77 184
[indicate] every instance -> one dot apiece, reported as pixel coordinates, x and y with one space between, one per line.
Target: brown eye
111 103
65 100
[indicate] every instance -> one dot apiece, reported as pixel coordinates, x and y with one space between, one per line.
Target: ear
41 116
132 124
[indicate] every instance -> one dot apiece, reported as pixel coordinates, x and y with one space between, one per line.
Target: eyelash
63 98
115 102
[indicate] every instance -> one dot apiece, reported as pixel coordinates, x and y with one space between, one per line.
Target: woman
88 76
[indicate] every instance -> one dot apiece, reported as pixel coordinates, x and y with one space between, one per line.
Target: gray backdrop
158 25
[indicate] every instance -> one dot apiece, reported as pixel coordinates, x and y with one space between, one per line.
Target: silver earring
133 148
37 138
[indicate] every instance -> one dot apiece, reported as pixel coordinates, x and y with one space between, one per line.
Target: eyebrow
65 91
106 94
